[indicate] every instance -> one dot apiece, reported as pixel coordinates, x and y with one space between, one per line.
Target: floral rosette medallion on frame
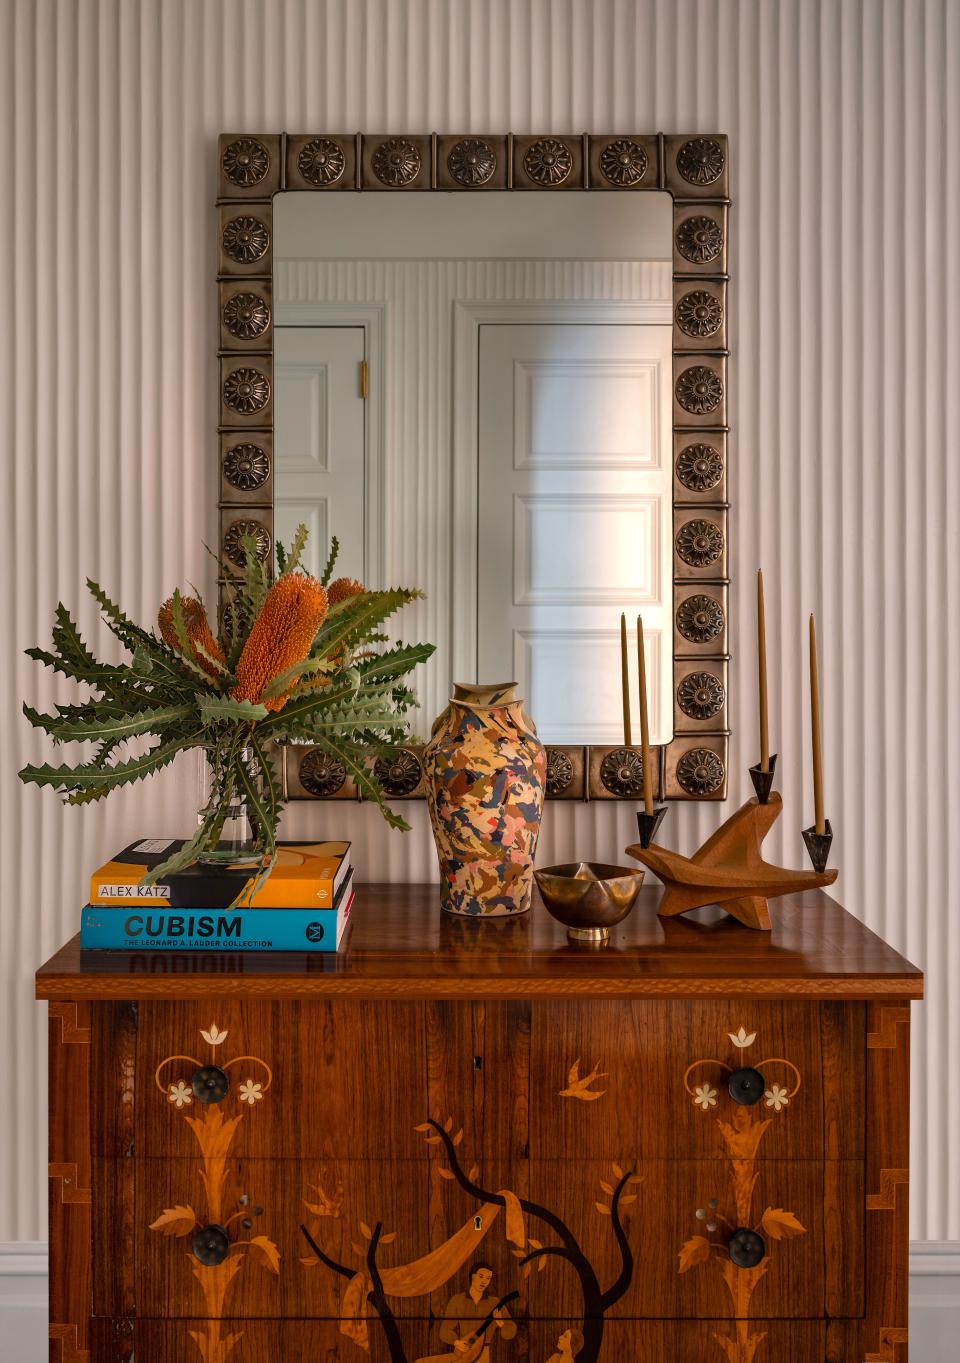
486 774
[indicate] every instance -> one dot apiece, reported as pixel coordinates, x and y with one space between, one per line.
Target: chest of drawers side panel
887 1108
70 1177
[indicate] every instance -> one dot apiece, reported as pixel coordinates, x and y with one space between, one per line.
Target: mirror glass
473 395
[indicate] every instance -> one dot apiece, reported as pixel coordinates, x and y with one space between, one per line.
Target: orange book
306 875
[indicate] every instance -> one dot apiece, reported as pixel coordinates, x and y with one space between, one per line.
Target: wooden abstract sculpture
728 869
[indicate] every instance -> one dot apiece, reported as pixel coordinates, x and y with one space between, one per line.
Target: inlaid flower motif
179 1094
321 161
246 391
250 1092
246 316
237 532
699 389
699 467
246 466
742 1038
321 774
623 162
700 619
246 162
245 240
213 1036
472 161
700 239
705 1097
398 772
559 771
700 772
396 161
699 313
548 161
776 1097
699 543
700 161
701 695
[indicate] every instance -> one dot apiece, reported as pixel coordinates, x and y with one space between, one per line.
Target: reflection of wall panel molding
568 391
591 655
585 545
301 406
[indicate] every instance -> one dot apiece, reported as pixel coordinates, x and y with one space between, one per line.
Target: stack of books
303 905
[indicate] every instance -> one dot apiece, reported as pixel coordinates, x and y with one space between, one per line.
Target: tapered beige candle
762 664
625 680
644 723
819 821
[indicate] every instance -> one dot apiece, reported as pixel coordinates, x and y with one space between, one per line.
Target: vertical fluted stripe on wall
844 401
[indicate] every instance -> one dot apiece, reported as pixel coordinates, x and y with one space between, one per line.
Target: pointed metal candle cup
818 845
763 780
649 823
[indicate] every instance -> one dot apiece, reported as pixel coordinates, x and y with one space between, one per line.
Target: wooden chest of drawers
471 1141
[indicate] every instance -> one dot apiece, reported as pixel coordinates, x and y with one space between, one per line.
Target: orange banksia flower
343 588
282 635
198 631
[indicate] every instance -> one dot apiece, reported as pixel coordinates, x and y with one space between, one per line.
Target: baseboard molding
934 1301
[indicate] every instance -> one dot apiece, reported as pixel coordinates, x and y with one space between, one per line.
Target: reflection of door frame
370 317
468 318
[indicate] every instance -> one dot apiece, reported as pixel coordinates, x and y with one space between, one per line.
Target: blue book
157 928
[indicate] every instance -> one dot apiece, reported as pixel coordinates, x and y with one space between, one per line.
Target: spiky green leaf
300 671
91 777
218 709
331 560
108 728
395 662
364 780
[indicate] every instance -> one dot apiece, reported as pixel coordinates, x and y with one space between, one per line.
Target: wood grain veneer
401 945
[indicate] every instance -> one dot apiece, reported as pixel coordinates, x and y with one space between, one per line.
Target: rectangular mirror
496 367
528 350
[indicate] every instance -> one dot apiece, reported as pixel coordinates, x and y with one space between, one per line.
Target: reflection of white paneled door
574 514
319 442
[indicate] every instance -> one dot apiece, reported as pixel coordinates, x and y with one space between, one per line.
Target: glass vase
236 839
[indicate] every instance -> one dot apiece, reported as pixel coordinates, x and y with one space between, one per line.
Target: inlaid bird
580 1088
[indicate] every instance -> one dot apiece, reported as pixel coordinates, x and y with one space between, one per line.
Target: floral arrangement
297 659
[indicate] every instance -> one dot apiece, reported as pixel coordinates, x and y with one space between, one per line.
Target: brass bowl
588 897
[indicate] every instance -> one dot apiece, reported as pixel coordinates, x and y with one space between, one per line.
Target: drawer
310 1341
642 1252
303 1077
655 1077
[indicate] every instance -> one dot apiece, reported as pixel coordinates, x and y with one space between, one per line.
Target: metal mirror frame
694 170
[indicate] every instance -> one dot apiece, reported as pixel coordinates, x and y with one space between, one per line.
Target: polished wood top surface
399 944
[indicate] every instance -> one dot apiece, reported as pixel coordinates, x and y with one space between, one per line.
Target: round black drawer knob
746 1248
210 1245
210 1084
746 1086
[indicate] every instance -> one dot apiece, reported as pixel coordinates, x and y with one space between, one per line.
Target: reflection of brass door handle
210 1245
746 1247
746 1086
210 1084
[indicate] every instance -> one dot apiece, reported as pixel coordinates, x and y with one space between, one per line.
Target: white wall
845 473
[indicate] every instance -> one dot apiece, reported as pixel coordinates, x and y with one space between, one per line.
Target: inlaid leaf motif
602 1208
175 1221
694 1251
265 1252
781 1225
365 1230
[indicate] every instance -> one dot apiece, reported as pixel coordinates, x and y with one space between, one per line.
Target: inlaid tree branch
596 1301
